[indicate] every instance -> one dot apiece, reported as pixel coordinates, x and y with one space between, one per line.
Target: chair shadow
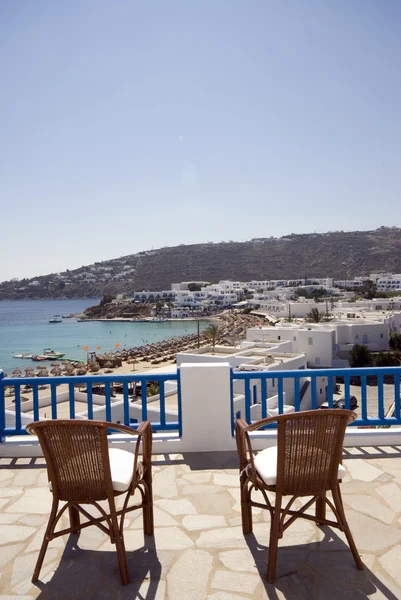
324 570
94 574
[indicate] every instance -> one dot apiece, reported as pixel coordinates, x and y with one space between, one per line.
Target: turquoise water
24 327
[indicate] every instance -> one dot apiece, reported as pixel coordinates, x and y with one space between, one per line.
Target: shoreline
148 319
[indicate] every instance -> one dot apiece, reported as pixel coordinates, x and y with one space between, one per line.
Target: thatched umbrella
108 364
81 371
17 373
55 364
55 371
43 373
30 372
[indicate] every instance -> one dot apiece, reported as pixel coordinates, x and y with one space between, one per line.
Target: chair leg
122 559
148 522
74 517
273 543
46 539
320 510
119 542
340 509
246 508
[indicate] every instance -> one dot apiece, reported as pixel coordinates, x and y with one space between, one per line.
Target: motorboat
23 355
38 357
55 320
52 354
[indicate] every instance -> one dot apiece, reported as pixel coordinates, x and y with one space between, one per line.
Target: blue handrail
326 394
15 414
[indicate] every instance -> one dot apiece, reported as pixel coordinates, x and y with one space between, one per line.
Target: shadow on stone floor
323 570
199 461
94 574
367 454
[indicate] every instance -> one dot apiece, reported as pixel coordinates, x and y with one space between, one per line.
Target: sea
25 327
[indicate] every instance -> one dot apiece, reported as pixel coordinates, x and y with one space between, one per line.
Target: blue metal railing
115 409
372 413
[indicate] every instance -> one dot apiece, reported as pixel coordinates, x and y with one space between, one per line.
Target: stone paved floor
198 550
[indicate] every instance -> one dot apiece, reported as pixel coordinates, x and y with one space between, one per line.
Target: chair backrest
309 449
77 458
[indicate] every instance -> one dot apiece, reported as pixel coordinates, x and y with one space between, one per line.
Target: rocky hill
336 254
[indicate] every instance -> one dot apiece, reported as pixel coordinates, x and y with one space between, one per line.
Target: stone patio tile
226 480
361 469
188 578
5 475
34 500
226 596
36 542
24 567
391 562
391 493
166 538
202 488
182 506
33 520
156 590
235 582
371 535
26 477
164 483
161 519
9 492
9 518
369 505
201 522
7 554
198 477
19 597
213 504
10 534
238 560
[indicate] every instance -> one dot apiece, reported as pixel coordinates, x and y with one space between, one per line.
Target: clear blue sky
132 124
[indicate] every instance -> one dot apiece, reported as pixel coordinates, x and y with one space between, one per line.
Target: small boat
55 320
38 357
49 353
23 355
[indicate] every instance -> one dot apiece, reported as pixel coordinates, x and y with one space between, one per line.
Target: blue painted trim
88 381
347 374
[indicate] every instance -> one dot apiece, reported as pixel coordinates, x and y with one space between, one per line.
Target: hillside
335 254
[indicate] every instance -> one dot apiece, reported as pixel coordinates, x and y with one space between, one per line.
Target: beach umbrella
30 372
55 364
17 373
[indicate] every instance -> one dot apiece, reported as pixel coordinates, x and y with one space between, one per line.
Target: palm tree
212 333
315 316
360 356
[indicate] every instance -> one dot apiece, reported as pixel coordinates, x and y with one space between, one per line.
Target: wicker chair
305 462
83 470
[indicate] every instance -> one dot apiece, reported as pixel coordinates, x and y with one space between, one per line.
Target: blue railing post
2 409
310 376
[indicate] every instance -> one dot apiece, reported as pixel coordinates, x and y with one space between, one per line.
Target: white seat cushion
122 468
266 466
